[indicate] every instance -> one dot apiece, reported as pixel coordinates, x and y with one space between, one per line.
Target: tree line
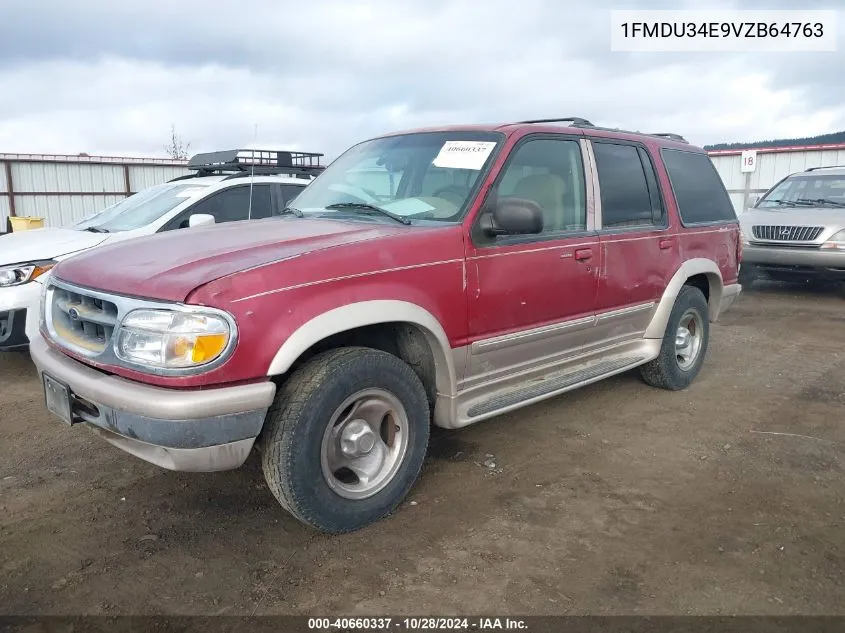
821 139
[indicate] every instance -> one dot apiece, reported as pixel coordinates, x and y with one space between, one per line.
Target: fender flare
698 266
363 313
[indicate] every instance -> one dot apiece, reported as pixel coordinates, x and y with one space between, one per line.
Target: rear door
710 226
532 297
640 250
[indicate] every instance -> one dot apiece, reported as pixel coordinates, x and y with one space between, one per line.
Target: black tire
291 440
665 371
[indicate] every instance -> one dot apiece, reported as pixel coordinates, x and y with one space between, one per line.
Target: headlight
172 339
23 273
836 242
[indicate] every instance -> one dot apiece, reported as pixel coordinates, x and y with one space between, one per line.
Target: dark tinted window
289 192
699 191
550 173
625 196
231 205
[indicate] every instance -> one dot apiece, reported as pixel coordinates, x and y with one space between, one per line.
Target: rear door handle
666 244
583 253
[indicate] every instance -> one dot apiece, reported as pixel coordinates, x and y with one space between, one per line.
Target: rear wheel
346 438
684 343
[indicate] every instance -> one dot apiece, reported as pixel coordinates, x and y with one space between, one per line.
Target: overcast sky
109 77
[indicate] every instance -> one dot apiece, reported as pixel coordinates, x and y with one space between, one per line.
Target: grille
83 321
787 233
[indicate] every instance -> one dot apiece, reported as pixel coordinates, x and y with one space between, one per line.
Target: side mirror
514 216
200 219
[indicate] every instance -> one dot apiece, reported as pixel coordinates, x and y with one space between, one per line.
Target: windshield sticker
464 154
409 206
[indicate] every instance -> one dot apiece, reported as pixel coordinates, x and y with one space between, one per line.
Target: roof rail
244 162
670 135
575 120
825 167
579 122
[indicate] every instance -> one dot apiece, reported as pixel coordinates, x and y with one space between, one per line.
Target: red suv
437 276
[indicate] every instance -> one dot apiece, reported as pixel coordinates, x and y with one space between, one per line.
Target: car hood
169 266
39 244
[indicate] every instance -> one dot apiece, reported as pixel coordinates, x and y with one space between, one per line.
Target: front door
531 297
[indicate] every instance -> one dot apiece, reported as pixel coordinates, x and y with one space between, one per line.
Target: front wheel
346 438
684 343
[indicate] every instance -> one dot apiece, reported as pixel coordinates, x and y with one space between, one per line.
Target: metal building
768 166
66 189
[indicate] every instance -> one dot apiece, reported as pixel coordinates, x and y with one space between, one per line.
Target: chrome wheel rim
688 339
364 443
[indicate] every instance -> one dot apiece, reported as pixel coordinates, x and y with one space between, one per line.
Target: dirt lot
613 499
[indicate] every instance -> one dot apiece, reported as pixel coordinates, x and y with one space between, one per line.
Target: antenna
252 172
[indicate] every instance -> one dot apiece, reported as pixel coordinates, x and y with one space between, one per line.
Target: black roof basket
237 163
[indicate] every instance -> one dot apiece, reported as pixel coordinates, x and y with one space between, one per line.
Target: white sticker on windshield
463 154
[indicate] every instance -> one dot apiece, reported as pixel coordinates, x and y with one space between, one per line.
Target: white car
227 186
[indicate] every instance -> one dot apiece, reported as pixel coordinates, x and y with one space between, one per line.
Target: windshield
419 176
140 209
806 191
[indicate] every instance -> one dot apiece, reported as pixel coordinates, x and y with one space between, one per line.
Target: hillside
822 139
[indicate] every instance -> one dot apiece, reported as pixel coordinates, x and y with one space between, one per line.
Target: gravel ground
722 499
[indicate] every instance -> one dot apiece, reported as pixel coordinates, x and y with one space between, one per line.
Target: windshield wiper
95 229
822 201
790 203
297 212
363 206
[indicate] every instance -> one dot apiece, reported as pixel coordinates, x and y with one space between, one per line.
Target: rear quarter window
698 189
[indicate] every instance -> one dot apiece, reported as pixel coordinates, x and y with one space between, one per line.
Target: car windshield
417 176
140 209
816 190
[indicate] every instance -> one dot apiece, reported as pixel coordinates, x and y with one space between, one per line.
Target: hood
168 266
39 244
794 216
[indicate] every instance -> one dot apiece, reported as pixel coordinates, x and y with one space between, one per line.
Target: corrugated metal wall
66 189
772 166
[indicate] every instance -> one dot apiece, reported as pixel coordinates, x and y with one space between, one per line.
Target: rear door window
628 186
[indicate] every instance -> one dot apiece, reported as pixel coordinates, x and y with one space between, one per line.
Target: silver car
797 229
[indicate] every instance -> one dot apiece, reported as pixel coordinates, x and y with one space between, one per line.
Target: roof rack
238 163
670 135
584 123
575 120
825 167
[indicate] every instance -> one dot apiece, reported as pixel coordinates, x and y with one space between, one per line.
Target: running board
536 389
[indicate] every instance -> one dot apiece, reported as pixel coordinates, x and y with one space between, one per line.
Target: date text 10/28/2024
339 625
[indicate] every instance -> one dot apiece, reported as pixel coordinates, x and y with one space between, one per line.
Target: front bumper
188 430
810 261
18 315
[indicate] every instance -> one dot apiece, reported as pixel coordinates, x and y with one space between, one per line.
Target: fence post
10 189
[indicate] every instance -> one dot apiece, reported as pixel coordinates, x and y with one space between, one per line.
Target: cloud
105 77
